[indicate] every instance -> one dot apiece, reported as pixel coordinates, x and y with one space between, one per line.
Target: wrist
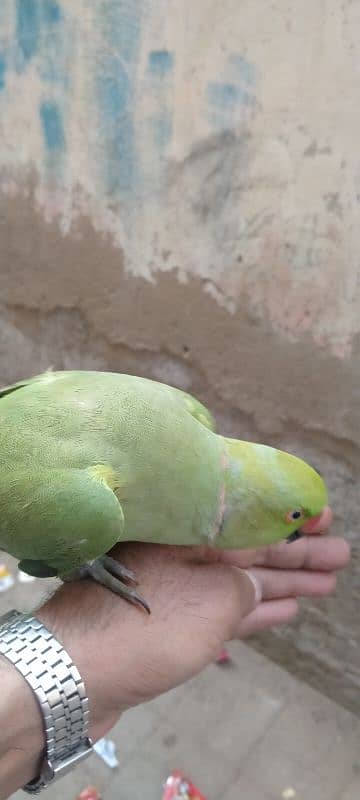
22 739
79 615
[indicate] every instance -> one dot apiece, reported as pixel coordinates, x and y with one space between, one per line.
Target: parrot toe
118 569
102 571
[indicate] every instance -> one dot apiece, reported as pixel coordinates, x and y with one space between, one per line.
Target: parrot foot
111 574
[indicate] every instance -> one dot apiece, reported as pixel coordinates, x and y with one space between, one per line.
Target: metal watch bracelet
59 690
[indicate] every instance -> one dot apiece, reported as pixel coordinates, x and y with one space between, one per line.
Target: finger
267 615
298 554
323 554
280 584
315 553
239 558
320 523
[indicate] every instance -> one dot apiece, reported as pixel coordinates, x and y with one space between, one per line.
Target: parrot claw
103 570
118 569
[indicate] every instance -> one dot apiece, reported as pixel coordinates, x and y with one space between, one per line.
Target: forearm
21 740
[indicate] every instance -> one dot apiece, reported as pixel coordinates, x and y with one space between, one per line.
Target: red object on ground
90 793
223 657
178 787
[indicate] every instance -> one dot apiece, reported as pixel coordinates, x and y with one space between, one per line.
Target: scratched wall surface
179 197
211 138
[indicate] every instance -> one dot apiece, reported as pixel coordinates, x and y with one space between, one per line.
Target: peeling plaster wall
217 139
179 197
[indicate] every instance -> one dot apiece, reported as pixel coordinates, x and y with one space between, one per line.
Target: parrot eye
293 516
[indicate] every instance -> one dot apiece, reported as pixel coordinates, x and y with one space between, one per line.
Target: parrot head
268 495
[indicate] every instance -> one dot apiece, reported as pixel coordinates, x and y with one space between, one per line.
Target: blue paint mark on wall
51 12
53 65
162 128
160 62
160 69
115 94
36 34
121 22
227 95
232 99
120 30
2 72
27 28
243 69
52 127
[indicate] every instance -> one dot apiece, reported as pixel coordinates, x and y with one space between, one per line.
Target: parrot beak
294 536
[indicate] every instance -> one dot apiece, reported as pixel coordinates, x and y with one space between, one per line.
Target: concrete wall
179 198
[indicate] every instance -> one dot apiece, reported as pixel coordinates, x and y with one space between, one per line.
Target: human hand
306 568
200 598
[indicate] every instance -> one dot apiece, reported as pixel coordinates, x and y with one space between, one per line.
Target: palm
196 597
199 599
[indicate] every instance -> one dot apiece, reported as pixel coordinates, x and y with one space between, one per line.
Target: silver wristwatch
59 690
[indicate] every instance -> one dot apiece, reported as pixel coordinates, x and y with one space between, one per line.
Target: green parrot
90 459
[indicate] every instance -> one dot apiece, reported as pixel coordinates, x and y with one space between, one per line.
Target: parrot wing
193 406
60 519
196 409
13 387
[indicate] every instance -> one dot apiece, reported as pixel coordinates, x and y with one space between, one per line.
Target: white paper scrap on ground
105 748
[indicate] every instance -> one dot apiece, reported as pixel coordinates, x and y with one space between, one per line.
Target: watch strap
59 690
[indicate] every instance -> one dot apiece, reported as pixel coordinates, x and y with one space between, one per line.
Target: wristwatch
59 690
